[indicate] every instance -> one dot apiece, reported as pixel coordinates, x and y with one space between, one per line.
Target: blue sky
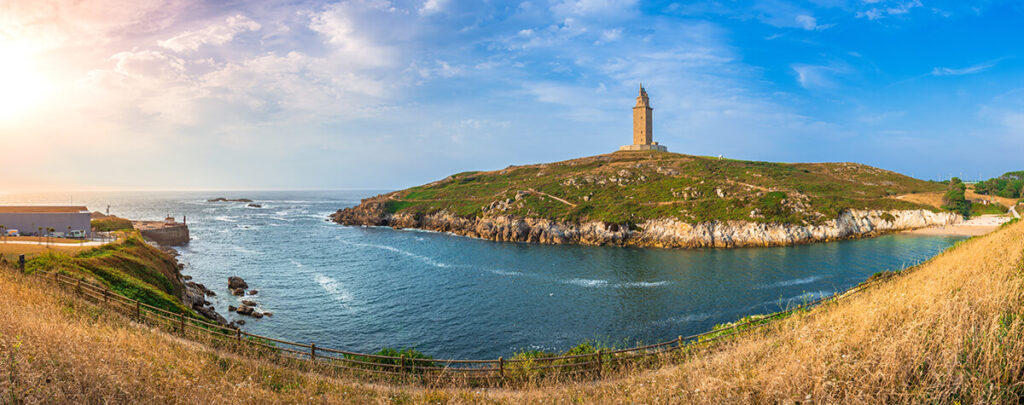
389 94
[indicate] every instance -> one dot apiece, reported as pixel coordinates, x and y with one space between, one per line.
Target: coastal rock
238 291
257 315
253 292
249 303
666 232
252 205
222 199
244 310
239 322
268 313
232 308
236 282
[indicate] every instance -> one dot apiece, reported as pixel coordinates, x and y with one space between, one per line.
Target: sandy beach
973 227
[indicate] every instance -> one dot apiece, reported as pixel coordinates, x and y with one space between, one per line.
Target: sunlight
21 85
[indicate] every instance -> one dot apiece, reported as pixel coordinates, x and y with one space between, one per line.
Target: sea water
364 288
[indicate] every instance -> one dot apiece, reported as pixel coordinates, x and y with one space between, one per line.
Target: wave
590 283
582 282
787 283
506 273
643 284
296 263
421 258
224 218
334 288
685 318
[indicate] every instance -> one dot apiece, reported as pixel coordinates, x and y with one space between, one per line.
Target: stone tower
643 135
642 114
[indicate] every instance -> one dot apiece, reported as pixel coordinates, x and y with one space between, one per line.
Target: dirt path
553 198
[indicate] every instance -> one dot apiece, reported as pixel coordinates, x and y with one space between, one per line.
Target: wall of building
29 223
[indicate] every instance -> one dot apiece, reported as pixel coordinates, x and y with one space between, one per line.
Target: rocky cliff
669 232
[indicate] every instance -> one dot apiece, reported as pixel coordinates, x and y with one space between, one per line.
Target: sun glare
21 85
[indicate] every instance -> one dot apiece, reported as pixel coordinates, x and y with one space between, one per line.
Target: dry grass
934 199
951 330
30 250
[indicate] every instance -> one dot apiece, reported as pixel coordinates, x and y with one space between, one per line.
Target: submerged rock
249 303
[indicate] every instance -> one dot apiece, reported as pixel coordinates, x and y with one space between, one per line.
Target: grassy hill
948 331
130 267
630 187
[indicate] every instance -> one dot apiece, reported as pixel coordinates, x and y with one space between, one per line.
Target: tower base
654 147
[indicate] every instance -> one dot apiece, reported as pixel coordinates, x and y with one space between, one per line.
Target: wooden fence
497 370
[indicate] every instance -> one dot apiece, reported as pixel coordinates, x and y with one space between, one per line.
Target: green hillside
630 187
131 268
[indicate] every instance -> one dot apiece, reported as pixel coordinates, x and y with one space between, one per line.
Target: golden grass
951 330
934 199
31 250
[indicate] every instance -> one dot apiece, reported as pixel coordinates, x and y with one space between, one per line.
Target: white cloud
359 31
944 71
215 34
593 7
433 7
817 76
900 8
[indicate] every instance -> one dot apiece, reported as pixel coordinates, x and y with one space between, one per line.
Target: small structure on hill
643 134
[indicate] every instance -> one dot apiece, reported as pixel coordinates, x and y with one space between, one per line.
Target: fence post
79 286
238 335
21 263
182 315
501 367
680 344
600 363
55 279
312 352
138 311
403 363
104 295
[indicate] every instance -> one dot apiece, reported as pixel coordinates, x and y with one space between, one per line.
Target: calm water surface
362 288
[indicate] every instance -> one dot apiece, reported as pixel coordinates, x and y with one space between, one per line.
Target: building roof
42 209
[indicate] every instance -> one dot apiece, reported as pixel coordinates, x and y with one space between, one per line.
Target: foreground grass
949 331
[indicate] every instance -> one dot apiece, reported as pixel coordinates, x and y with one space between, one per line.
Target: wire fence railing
594 364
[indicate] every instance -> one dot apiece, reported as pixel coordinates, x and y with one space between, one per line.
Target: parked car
77 234
13 232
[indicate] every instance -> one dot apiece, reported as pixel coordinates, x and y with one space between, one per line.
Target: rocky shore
668 233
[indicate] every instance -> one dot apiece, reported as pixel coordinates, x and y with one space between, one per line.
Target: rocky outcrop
222 199
669 233
235 282
194 296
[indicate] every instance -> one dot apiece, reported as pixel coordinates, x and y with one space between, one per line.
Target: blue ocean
364 288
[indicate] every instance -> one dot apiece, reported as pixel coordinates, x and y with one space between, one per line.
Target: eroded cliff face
669 233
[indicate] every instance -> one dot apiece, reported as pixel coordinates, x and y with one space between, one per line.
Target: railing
496 370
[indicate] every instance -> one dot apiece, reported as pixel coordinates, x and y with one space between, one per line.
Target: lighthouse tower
643 136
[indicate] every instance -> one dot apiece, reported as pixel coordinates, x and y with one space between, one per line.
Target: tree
954 199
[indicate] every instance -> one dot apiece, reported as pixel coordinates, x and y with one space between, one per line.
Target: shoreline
974 227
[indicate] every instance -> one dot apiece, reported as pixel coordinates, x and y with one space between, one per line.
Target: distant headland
642 195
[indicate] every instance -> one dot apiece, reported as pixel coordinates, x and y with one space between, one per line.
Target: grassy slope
130 267
629 187
950 330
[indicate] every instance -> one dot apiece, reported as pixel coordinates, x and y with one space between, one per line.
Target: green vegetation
631 187
111 223
1009 185
987 209
131 268
415 365
954 199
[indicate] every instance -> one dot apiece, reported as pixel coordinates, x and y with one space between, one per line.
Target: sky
379 94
